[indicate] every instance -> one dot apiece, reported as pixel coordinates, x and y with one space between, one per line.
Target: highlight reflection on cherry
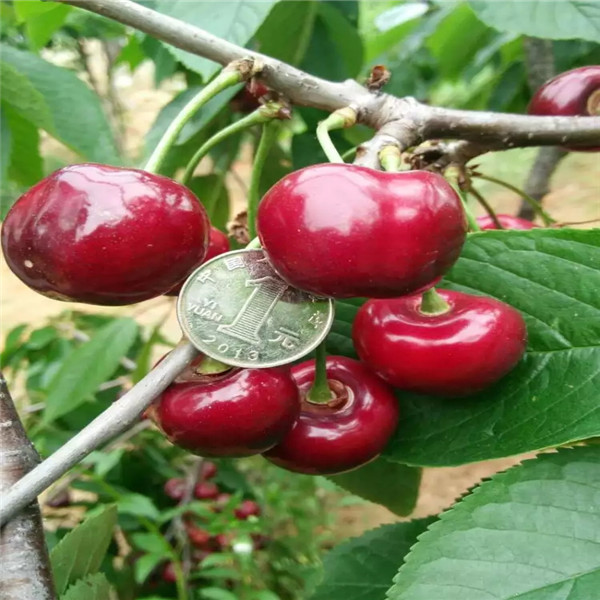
333 439
457 353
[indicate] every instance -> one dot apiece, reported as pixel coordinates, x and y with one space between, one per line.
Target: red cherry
573 93
198 537
260 541
342 230
221 541
175 488
104 235
221 501
460 352
168 573
218 244
350 432
507 221
206 490
247 99
237 413
208 469
248 508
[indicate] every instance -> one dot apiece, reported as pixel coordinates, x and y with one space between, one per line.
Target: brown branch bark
25 571
416 121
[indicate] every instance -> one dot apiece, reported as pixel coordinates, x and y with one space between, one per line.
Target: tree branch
25 569
120 416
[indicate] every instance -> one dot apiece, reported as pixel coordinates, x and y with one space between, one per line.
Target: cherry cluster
204 543
108 235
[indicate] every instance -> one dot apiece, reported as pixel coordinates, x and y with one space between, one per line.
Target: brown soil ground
575 197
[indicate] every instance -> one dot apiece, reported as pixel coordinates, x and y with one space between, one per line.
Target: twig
25 569
113 421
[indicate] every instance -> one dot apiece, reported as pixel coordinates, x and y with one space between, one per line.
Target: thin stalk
344 117
260 115
535 205
226 78
390 158
471 220
486 206
433 304
267 139
319 392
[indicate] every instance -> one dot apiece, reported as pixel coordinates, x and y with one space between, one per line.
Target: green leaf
94 587
565 20
392 485
24 99
551 397
146 564
82 550
150 542
215 593
531 533
88 366
138 505
41 19
12 344
363 567
286 32
213 194
5 146
25 165
235 21
79 121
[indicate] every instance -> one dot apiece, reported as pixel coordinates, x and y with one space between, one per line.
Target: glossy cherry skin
238 413
342 230
206 490
572 93
218 244
247 508
104 235
507 221
175 488
460 352
327 440
208 469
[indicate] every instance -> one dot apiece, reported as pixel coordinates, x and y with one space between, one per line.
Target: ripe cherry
218 244
248 508
507 221
104 235
342 230
175 488
346 433
168 573
248 98
573 93
206 490
208 469
198 537
459 352
236 413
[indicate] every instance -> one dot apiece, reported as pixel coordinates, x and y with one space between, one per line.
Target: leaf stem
268 137
320 392
262 114
535 205
344 117
226 78
486 206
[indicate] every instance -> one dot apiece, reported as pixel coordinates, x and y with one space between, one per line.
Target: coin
236 309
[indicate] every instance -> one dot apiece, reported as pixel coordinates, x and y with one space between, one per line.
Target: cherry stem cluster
339 119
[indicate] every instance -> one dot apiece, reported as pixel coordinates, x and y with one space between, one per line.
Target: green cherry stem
390 158
471 220
267 139
320 393
535 205
229 76
433 304
486 206
341 118
262 114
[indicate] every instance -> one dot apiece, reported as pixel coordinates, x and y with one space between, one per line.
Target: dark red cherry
460 352
218 244
248 98
208 469
206 490
507 221
104 235
198 537
175 488
573 93
248 508
168 573
341 230
237 413
346 434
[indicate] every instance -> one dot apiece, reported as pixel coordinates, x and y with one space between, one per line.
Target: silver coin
236 309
